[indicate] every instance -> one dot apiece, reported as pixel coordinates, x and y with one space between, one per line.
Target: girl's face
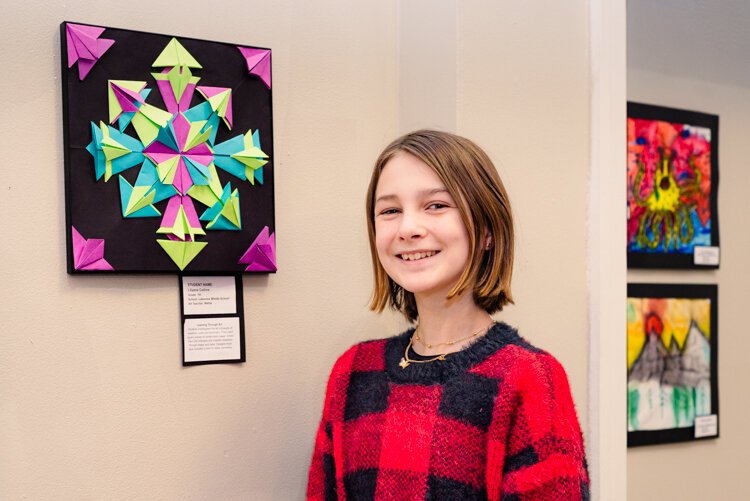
421 240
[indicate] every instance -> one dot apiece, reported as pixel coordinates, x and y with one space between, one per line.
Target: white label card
706 426
209 295
705 256
209 339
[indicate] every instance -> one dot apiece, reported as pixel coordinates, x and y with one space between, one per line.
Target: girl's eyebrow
421 194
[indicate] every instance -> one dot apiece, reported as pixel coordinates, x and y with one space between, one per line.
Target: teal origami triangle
211 213
125 191
166 136
125 119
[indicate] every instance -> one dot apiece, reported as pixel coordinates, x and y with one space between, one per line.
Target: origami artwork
181 152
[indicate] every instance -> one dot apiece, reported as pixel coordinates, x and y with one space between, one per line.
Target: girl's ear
488 241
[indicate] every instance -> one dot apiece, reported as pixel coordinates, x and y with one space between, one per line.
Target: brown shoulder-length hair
472 180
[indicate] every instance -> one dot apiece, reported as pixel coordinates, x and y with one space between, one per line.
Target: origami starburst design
177 153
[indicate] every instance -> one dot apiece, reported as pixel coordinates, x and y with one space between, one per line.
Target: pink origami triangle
85 46
167 94
192 216
84 66
88 254
126 101
182 180
132 95
181 129
170 214
258 63
210 92
228 116
261 255
186 98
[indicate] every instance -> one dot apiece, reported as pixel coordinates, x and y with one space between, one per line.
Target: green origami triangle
231 210
181 252
251 158
145 128
155 115
219 102
112 149
174 54
209 194
167 169
139 198
179 77
204 194
195 137
114 106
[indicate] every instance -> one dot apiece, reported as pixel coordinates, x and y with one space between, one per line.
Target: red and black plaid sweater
495 421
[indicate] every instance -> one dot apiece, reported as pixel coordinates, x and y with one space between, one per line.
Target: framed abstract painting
672 188
673 389
168 145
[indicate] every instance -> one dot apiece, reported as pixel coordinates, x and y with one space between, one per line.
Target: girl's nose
411 226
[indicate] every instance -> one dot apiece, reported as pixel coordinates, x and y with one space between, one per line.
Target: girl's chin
427 291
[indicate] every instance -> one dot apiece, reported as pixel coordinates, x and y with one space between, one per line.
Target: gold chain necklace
417 337
406 361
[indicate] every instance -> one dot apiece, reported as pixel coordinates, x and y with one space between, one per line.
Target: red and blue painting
672 188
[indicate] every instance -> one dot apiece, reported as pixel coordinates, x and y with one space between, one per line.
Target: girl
459 407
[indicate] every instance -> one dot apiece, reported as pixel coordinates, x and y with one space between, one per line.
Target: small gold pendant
403 363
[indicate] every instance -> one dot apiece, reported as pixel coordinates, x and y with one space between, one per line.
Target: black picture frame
94 208
679 219
674 357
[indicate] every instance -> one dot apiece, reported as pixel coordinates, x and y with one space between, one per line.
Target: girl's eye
437 205
388 212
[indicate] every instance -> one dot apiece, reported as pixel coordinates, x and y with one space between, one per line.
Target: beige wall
708 469
525 98
95 404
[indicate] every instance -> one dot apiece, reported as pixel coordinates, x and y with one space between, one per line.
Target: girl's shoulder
519 362
365 356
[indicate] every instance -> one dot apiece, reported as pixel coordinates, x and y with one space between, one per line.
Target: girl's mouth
416 256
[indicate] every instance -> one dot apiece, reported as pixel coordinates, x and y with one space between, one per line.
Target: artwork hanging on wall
672 363
672 188
169 161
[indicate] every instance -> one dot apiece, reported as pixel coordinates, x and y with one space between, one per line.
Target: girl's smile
417 255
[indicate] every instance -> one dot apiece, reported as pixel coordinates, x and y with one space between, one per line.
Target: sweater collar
501 334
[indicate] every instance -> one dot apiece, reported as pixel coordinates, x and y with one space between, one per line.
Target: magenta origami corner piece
258 63
88 254
261 255
85 46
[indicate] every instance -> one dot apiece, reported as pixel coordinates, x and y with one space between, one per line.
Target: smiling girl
460 407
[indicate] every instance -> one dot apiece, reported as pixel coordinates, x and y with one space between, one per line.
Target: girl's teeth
417 256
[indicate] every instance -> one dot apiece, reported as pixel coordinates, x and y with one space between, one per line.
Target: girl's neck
442 321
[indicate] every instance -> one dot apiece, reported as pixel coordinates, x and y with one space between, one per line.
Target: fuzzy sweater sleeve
321 484
325 477
542 455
